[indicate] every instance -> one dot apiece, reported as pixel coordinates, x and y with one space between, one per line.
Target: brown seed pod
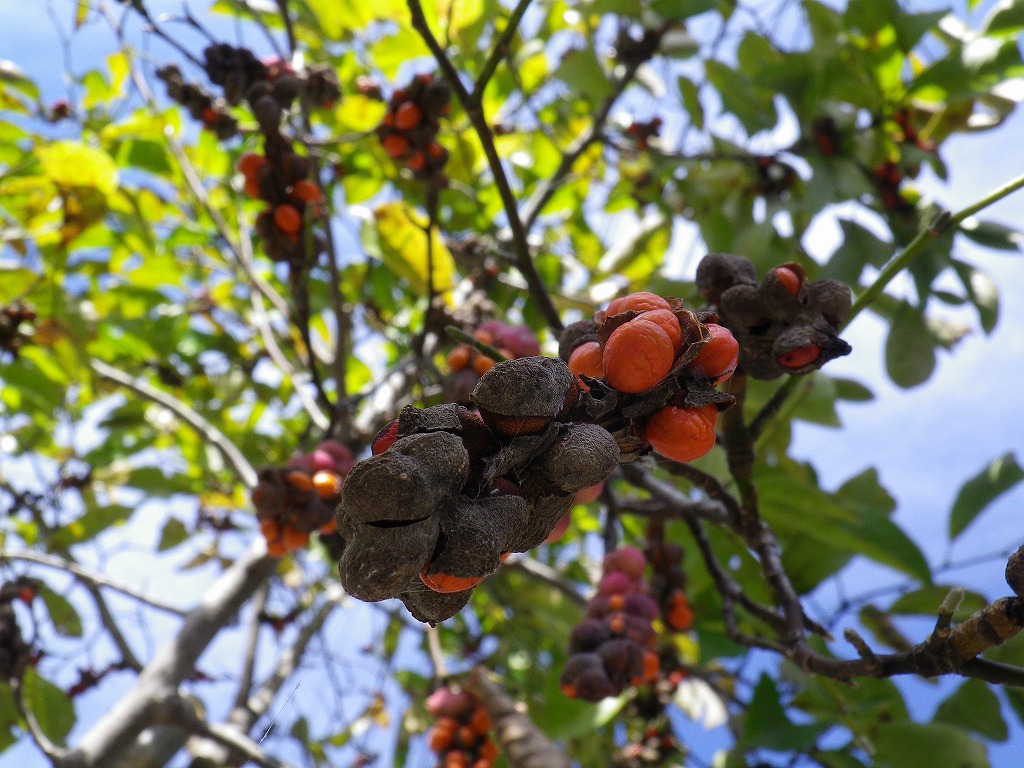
779 331
379 562
441 455
1015 572
544 514
582 456
431 607
475 533
404 483
521 397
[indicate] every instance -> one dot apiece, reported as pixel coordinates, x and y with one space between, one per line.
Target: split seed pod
521 397
379 562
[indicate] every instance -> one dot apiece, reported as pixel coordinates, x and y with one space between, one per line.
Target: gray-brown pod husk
431 607
378 563
476 532
582 456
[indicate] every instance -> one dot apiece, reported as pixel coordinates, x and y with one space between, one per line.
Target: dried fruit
638 355
718 358
642 301
588 359
288 219
682 434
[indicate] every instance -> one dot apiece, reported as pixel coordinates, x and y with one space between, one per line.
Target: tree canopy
414 383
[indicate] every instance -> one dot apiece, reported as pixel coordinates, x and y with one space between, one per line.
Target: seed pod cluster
408 132
784 324
12 335
614 646
201 105
467 364
1015 572
449 491
668 580
650 368
245 77
774 178
293 502
460 736
281 178
13 648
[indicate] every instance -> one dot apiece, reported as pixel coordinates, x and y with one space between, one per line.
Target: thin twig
210 433
498 52
524 259
56 754
89 578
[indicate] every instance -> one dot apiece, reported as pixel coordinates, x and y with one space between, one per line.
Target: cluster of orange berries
773 176
460 736
282 181
641 351
614 646
212 112
668 580
293 502
408 132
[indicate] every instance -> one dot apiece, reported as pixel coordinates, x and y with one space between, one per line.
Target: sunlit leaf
980 491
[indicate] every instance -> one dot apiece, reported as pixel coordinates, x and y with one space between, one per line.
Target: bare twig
159 680
56 754
89 578
524 260
214 436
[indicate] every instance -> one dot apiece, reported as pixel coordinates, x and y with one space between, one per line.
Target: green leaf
62 613
974 706
12 74
881 539
1005 18
991 234
681 10
753 106
174 533
915 745
690 95
69 164
910 348
51 706
982 291
852 391
981 490
582 72
766 724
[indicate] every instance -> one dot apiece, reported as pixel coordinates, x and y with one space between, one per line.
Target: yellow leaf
403 248
69 164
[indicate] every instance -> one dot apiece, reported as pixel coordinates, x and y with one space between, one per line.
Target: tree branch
87 577
524 744
498 52
524 259
116 730
228 449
